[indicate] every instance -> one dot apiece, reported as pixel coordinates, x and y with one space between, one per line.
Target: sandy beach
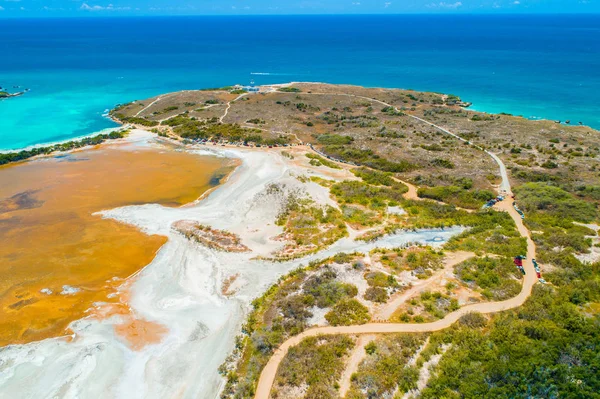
176 326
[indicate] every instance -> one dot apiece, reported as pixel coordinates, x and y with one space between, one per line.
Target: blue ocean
540 66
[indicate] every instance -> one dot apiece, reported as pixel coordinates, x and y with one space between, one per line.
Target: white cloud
110 7
355 3
517 2
1 8
85 7
443 4
388 4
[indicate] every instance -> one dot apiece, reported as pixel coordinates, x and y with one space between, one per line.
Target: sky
91 8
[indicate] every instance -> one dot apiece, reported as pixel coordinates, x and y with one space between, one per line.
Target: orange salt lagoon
56 258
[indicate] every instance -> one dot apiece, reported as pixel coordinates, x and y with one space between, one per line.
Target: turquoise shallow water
535 66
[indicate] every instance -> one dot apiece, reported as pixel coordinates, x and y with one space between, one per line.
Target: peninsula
370 243
442 165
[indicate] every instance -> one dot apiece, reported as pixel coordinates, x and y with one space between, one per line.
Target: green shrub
326 291
356 192
348 312
317 362
368 158
442 163
554 201
376 294
16 156
386 373
316 160
334 139
496 276
378 178
289 90
456 195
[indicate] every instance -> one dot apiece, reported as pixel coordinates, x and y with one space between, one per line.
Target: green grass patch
458 196
334 139
289 90
368 158
386 368
316 160
348 312
317 362
497 278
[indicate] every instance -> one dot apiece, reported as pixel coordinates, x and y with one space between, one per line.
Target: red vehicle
539 275
518 261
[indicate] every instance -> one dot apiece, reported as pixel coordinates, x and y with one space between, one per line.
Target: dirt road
390 307
268 374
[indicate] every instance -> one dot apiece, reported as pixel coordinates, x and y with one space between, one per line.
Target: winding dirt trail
148 106
356 356
411 194
267 376
388 309
229 106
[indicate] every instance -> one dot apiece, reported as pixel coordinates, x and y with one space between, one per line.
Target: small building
252 88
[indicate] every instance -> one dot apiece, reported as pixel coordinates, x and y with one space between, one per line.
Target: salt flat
179 295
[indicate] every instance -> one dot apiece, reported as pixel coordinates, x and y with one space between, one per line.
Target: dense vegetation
289 90
69 145
378 178
308 227
498 278
386 368
552 211
193 129
357 192
380 284
316 160
284 310
297 369
422 261
489 231
554 202
368 158
348 312
334 139
136 120
548 348
456 195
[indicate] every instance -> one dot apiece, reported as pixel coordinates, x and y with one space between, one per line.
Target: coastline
180 289
50 144
473 107
176 310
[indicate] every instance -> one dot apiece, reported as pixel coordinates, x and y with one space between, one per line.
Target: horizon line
484 13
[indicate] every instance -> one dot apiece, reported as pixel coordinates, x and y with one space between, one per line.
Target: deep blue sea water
536 66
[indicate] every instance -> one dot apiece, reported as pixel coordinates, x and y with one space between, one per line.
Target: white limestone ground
594 254
181 290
